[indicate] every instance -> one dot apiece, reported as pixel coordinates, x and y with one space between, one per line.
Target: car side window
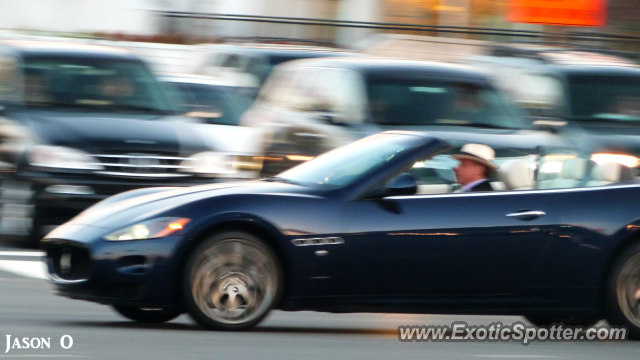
9 79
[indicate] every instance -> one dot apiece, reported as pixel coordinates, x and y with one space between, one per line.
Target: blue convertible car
375 226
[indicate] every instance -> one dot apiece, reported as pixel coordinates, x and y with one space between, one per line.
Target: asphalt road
28 309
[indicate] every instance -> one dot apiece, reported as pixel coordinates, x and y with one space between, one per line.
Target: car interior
551 172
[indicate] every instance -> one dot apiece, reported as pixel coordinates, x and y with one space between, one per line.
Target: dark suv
80 123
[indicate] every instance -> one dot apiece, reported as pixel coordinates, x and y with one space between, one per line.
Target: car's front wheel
623 291
150 316
231 281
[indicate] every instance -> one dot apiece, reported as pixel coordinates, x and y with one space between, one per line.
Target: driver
475 167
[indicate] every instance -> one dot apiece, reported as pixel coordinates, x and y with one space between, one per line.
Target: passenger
475 167
36 89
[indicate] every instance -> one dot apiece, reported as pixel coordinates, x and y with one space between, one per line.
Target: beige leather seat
516 175
608 173
572 172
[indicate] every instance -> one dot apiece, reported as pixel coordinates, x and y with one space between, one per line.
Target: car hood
140 208
113 132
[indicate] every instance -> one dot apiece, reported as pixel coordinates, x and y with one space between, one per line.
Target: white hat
479 153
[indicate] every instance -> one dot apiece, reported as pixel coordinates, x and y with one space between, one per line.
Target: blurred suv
248 65
79 123
310 106
217 109
591 97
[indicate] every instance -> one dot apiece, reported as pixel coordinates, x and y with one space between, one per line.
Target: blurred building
140 17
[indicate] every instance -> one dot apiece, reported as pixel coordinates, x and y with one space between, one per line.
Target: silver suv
310 106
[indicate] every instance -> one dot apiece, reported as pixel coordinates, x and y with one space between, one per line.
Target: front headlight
208 163
59 157
151 229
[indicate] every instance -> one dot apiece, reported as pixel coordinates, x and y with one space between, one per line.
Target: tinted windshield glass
98 84
225 105
344 165
609 97
424 101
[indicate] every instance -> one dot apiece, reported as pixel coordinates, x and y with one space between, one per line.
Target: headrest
574 169
609 172
612 172
516 175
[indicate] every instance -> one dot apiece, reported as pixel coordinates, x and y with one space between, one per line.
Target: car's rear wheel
622 297
546 321
231 281
151 316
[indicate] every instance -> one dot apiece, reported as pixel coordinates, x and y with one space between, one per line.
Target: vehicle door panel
443 244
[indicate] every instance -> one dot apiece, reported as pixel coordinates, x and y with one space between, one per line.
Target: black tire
546 321
231 281
622 291
148 316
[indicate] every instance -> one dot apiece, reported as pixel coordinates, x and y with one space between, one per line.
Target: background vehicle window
9 79
217 102
423 101
608 97
92 83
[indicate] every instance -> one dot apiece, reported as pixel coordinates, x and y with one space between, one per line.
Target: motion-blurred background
100 97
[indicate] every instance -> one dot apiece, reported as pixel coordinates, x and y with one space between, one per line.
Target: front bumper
140 273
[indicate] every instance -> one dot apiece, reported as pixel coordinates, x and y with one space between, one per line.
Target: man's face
469 171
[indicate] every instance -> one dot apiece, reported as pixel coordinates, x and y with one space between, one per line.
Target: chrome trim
509 192
151 166
527 213
165 175
318 241
144 166
141 157
56 279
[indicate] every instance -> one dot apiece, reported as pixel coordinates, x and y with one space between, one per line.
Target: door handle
527 215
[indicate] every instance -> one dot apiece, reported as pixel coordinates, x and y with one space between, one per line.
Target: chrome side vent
318 241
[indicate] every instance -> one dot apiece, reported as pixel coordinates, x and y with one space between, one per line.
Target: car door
442 243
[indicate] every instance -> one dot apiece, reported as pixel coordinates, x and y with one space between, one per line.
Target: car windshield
342 166
102 84
605 97
424 101
224 105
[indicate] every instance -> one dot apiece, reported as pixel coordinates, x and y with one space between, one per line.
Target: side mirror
403 184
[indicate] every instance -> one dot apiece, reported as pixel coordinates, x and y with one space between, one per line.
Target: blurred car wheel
623 291
150 316
232 281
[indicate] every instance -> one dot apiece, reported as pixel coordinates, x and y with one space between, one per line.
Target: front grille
70 261
142 165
